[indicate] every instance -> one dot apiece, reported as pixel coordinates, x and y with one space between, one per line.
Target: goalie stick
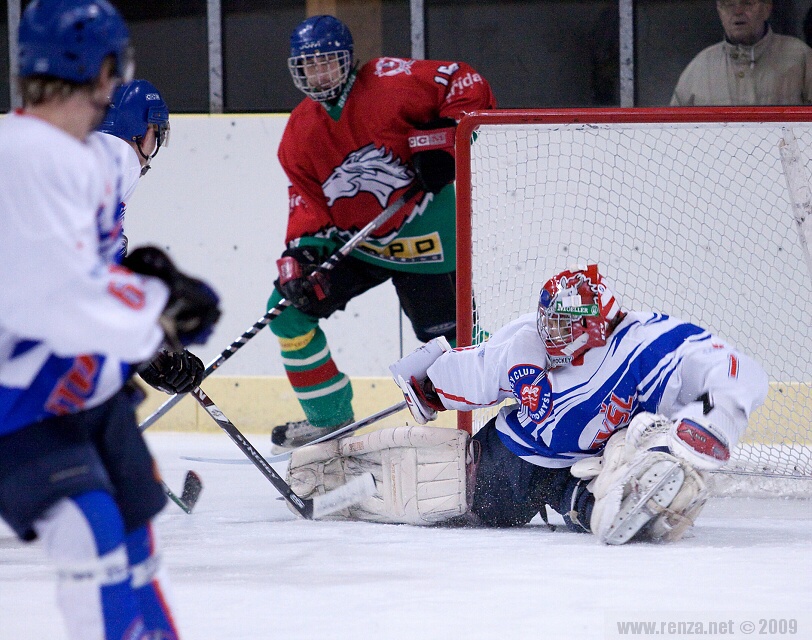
364 422
327 265
192 486
344 496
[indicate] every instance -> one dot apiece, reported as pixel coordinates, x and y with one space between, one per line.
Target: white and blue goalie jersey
651 362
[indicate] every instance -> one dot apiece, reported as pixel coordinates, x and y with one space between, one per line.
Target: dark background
535 53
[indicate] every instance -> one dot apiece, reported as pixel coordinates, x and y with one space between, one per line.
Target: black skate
297 434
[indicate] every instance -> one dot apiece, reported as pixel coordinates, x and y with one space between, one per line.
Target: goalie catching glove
300 280
193 307
173 373
432 149
410 374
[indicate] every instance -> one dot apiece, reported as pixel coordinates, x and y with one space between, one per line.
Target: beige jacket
777 70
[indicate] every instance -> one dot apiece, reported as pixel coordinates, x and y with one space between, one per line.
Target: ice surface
243 567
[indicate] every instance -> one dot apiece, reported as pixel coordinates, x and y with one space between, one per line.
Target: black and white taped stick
344 496
192 486
327 265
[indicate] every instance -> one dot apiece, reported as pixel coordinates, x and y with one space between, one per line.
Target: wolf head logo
367 169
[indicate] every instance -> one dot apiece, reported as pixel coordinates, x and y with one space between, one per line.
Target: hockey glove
173 372
193 307
300 280
432 149
410 374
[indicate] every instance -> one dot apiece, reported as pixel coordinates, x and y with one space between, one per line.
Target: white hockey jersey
651 362
72 322
128 172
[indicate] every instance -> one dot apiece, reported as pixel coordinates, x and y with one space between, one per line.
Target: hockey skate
297 434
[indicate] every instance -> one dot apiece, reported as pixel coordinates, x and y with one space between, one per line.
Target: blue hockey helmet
69 39
134 107
320 57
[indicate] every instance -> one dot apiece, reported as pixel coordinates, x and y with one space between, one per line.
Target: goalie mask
576 312
320 57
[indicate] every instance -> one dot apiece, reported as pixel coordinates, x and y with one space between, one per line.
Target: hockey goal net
687 211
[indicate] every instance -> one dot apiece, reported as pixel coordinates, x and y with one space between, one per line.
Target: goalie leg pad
421 473
681 514
639 493
647 488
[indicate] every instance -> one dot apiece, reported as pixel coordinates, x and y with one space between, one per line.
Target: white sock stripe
144 572
111 568
326 391
296 362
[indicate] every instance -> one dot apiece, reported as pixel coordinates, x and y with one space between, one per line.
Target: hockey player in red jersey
353 146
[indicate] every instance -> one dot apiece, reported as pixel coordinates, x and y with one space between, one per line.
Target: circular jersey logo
531 387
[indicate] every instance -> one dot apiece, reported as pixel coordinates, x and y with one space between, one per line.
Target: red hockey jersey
346 163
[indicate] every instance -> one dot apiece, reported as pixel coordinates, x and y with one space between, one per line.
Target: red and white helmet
576 310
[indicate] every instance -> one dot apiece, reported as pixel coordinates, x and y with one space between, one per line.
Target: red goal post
687 210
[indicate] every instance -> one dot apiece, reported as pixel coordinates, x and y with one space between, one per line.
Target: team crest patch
376 171
393 66
532 388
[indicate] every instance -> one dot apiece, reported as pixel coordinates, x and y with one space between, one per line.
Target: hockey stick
192 486
383 413
327 265
344 496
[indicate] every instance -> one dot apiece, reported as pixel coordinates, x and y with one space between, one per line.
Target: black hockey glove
193 307
432 148
300 280
173 372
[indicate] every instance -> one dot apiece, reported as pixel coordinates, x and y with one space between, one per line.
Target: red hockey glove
300 280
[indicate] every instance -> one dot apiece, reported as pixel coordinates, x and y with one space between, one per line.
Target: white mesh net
694 220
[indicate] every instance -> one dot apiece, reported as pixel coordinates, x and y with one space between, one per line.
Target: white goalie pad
641 493
421 473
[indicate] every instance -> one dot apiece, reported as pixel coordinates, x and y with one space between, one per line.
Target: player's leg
54 485
323 391
509 491
84 537
150 581
140 498
429 475
429 301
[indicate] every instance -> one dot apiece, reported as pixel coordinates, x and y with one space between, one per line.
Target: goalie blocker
640 488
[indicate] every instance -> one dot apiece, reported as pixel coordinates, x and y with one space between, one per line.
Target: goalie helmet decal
576 310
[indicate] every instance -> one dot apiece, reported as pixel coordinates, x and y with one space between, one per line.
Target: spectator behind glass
751 66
